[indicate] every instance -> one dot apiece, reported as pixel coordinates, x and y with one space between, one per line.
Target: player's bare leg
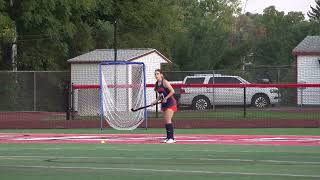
168 114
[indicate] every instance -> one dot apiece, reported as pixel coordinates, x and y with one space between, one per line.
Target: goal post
122 87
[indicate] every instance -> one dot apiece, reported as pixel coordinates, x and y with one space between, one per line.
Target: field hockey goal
122 87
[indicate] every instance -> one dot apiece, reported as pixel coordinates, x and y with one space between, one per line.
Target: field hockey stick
134 110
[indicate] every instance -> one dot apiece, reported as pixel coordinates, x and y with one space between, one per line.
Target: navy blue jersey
163 91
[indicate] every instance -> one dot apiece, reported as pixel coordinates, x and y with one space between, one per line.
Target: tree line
194 34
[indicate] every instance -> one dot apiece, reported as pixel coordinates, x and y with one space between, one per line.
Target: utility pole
115 38
14 55
14 47
115 29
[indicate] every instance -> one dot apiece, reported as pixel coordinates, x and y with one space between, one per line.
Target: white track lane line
110 148
168 171
155 158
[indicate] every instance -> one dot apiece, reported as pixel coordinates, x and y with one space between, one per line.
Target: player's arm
157 100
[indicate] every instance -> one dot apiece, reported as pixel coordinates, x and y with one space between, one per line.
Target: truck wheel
200 103
260 101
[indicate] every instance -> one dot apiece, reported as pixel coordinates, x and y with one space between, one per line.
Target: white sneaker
170 141
165 140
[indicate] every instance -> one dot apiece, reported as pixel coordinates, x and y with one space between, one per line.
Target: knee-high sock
168 131
169 128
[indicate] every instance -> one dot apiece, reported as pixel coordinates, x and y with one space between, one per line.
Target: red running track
156 138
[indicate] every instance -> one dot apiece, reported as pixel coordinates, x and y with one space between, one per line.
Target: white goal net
122 87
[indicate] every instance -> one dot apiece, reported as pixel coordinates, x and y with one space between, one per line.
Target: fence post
213 98
72 101
34 91
244 102
157 106
68 93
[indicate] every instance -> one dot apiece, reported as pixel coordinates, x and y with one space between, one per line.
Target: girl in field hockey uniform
168 105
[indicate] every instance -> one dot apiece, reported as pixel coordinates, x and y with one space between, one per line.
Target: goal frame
123 63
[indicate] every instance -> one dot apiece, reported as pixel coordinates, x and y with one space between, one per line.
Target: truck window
198 80
224 80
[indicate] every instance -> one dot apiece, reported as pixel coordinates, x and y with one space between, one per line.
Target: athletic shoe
171 141
164 141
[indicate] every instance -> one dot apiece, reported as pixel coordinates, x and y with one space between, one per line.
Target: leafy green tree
38 33
7 26
272 38
7 35
149 24
195 34
208 24
276 47
50 32
314 13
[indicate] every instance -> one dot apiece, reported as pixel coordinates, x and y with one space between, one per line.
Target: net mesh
122 88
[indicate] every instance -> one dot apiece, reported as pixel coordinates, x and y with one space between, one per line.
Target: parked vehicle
203 98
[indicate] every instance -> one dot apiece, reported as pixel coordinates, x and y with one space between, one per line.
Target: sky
257 6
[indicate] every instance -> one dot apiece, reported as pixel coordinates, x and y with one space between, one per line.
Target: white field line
152 158
168 171
110 148
181 138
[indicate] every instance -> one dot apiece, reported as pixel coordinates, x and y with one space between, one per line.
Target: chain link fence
263 74
48 90
34 90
